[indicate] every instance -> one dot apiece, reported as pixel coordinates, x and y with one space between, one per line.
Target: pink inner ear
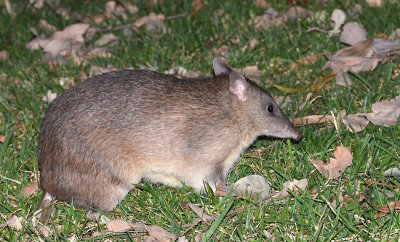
240 91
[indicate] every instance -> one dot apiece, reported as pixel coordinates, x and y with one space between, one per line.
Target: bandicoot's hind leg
46 207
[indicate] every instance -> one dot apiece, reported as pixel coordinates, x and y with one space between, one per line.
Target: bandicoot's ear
238 85
221 67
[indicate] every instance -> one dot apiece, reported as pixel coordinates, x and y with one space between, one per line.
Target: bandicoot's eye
270 108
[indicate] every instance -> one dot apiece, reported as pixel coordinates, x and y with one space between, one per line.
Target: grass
311 215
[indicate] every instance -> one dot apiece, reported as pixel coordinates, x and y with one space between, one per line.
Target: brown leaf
269 18
182 239
353 33
338 18
46 26
307 60
50 96
30 189
106 39
374 3
2 139
343 79
261 3
251 72
160 234
44 230
14 222
335 166
385 113
392 206
223 51
201 213
221 191
149 19
198 6
313 119
65 40
291 186
358 122
363 56
395 35
298 12
119 8
97 70
120 226
269 235
4 55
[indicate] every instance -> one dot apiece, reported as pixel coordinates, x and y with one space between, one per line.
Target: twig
18 182
181 15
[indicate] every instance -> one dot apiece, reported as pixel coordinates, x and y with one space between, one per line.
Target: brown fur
111 131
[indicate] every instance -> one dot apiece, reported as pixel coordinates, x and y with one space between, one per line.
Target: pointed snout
293 132
297 136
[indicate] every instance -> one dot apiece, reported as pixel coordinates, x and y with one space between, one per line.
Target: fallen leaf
14 222
353 33
119 8
335 166
97 70
298 12
46 26
72 238
120 226
4 55
355 58
106 39
160 234
182 239
221 191
269 235
199 237
222 51
395 35
313 119
44 230
343 79
385 113
149 19
253 185
307 60
374 3
392 172
66 82
291 186
392 206
2 139
30 189
198 6
251 72
269 18
261 3
357 122
50 96
338 18
201 213
61 42
253 43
